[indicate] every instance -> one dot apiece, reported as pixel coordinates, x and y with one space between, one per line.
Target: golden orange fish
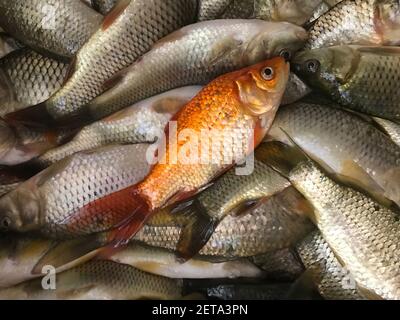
215 130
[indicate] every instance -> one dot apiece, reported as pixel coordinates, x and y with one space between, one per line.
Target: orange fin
115 13
124 210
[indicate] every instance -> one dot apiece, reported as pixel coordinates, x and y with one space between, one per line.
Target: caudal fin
196 232
38 117
35 116
282 157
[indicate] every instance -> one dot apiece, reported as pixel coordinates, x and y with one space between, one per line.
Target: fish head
274 39
8 139
20 209
388 21
328 68
261 87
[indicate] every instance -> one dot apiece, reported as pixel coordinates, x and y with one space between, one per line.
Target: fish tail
35 117
38 117
196 232
282 157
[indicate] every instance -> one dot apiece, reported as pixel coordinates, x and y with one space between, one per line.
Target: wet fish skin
99 280
27 78
332 280
391 128
336 140
125 35
364 79
321 9
278 223
225 46
363 22
143 122
50 26
212 9
41 204
363 234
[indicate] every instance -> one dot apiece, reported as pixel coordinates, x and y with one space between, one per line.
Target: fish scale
100 279
362 233
50 26
333 281
142 122
343 23
29 78
196 55
58 193
336 138
117 45
271 226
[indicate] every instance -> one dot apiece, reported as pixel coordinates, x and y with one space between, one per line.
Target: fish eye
285 54
268 73
313 65
5 223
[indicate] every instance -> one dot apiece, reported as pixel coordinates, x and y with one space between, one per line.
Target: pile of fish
106 194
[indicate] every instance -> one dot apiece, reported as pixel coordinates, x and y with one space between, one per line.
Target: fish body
50 26
99 280
363 22
216 129
364 79
275 224
143 122
125 35
51 201
195 55
27 78
163 262
344 144
363 233
332 280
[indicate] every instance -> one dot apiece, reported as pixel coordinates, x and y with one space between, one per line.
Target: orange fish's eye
268 73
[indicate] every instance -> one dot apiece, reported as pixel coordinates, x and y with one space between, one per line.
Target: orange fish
233 113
